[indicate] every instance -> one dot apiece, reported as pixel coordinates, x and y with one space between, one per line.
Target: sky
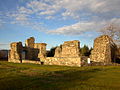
55 21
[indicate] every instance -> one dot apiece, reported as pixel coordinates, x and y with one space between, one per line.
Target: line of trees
85 50
51 52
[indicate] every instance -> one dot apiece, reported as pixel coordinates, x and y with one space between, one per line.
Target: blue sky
55 21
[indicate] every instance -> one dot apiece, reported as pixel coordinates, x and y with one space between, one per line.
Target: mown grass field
37 77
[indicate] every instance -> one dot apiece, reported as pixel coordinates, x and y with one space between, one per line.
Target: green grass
37 77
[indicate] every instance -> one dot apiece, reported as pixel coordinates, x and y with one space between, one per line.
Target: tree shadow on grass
63 79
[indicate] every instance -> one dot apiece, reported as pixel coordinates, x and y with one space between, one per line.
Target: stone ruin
31 51
118 55
68 54
68 49
104 50
15 54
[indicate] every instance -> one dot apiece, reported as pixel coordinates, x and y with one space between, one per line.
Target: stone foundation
54 61
30 61
14 60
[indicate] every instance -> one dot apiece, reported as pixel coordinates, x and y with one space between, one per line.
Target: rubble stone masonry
104 50
15 53
68 49
67 54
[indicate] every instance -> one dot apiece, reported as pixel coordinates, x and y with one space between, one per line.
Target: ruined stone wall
15 53
29 61
66 61
58 51
31 51
42 49
104 50
68 49
69 53
29 48
30 42
118 53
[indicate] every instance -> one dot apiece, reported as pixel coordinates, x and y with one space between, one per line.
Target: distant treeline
4 54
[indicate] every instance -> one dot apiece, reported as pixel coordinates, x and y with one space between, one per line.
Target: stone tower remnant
104 50
30 42
15 53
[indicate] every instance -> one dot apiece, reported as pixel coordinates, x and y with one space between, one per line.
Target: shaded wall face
35 53
58 51
118 55
42 49
31 52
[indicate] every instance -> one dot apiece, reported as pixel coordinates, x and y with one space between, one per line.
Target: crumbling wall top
68 49
30 42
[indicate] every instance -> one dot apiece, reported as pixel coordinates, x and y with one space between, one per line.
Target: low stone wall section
30 61
64 61
75 61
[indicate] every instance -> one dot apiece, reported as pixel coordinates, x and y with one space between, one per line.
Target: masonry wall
118 53
54 61
29 48
68 49
104 50
31 61
42 49
66 61
15 53
31 51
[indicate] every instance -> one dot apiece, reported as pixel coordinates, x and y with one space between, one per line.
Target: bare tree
113 30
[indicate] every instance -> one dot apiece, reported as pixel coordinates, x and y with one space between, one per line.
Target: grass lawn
37 77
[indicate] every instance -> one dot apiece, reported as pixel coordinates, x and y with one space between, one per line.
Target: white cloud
47 12
49 17
24 10
97 12
73 8
81 27
76 29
